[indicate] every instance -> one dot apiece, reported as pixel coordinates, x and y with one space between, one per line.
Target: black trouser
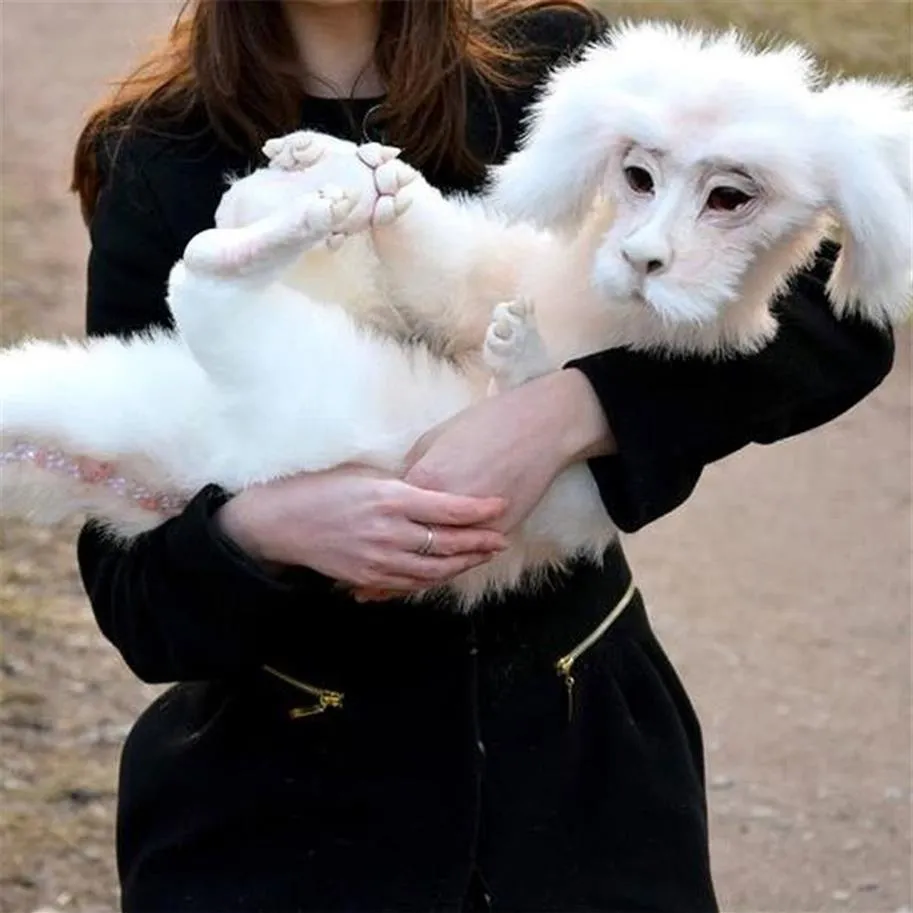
458 774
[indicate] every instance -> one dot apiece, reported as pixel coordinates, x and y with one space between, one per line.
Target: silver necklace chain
369 134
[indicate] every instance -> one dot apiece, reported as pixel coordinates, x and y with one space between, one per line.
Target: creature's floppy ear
869 131
552 180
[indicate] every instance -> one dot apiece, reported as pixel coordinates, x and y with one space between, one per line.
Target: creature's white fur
286 361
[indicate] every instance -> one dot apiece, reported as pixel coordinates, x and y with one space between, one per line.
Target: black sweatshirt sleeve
179 602
671 417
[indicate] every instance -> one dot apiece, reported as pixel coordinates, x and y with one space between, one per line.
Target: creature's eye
727 199
639 179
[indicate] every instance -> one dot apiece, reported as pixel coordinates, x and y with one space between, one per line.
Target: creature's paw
513 349
322 216
508 333
307 221
315 160
304 148
393 180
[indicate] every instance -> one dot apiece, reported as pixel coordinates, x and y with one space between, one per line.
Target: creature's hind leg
216 292
514 350
266 248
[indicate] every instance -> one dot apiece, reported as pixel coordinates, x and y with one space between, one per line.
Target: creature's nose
647 260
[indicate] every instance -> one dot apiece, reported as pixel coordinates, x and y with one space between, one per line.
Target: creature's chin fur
288 362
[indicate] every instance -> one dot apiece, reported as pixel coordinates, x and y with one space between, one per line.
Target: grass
858 37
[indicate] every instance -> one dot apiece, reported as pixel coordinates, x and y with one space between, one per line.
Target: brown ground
783 589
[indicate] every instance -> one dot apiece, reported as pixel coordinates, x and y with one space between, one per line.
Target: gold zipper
565 665
326 699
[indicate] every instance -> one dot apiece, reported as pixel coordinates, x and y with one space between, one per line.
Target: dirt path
782 590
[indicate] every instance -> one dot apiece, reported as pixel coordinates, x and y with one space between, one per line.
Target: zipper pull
331 699
325 701
325 698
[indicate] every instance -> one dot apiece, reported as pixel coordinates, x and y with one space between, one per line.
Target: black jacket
181 604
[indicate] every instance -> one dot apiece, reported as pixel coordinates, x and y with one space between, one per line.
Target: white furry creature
668 185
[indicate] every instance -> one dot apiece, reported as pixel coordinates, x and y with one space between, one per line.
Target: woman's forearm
513 445
563 416
578 411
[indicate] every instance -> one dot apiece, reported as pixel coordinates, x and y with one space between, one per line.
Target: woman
320 752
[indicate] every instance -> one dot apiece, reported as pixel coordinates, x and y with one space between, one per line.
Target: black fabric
228 804
455 768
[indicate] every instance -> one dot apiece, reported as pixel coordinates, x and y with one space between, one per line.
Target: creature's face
689 224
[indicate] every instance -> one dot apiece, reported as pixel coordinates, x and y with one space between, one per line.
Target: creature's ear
869 131
552 180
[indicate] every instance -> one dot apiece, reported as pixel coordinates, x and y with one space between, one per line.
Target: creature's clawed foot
317 217
393 180
303 149
370 173
273 242
508 332
513 347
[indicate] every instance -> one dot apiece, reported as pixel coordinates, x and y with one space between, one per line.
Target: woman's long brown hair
235 60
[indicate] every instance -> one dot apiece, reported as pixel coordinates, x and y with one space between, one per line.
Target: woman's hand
514 445
511 446
363 529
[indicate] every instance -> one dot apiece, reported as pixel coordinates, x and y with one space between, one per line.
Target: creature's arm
448 260
670 418
180 602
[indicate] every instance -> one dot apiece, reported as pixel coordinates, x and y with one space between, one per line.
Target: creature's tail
98 428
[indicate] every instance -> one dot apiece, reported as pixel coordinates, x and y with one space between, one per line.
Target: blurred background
782 590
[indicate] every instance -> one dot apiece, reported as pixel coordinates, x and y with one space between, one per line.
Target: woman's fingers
404 574
443 509
411 571
402 567
449 541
